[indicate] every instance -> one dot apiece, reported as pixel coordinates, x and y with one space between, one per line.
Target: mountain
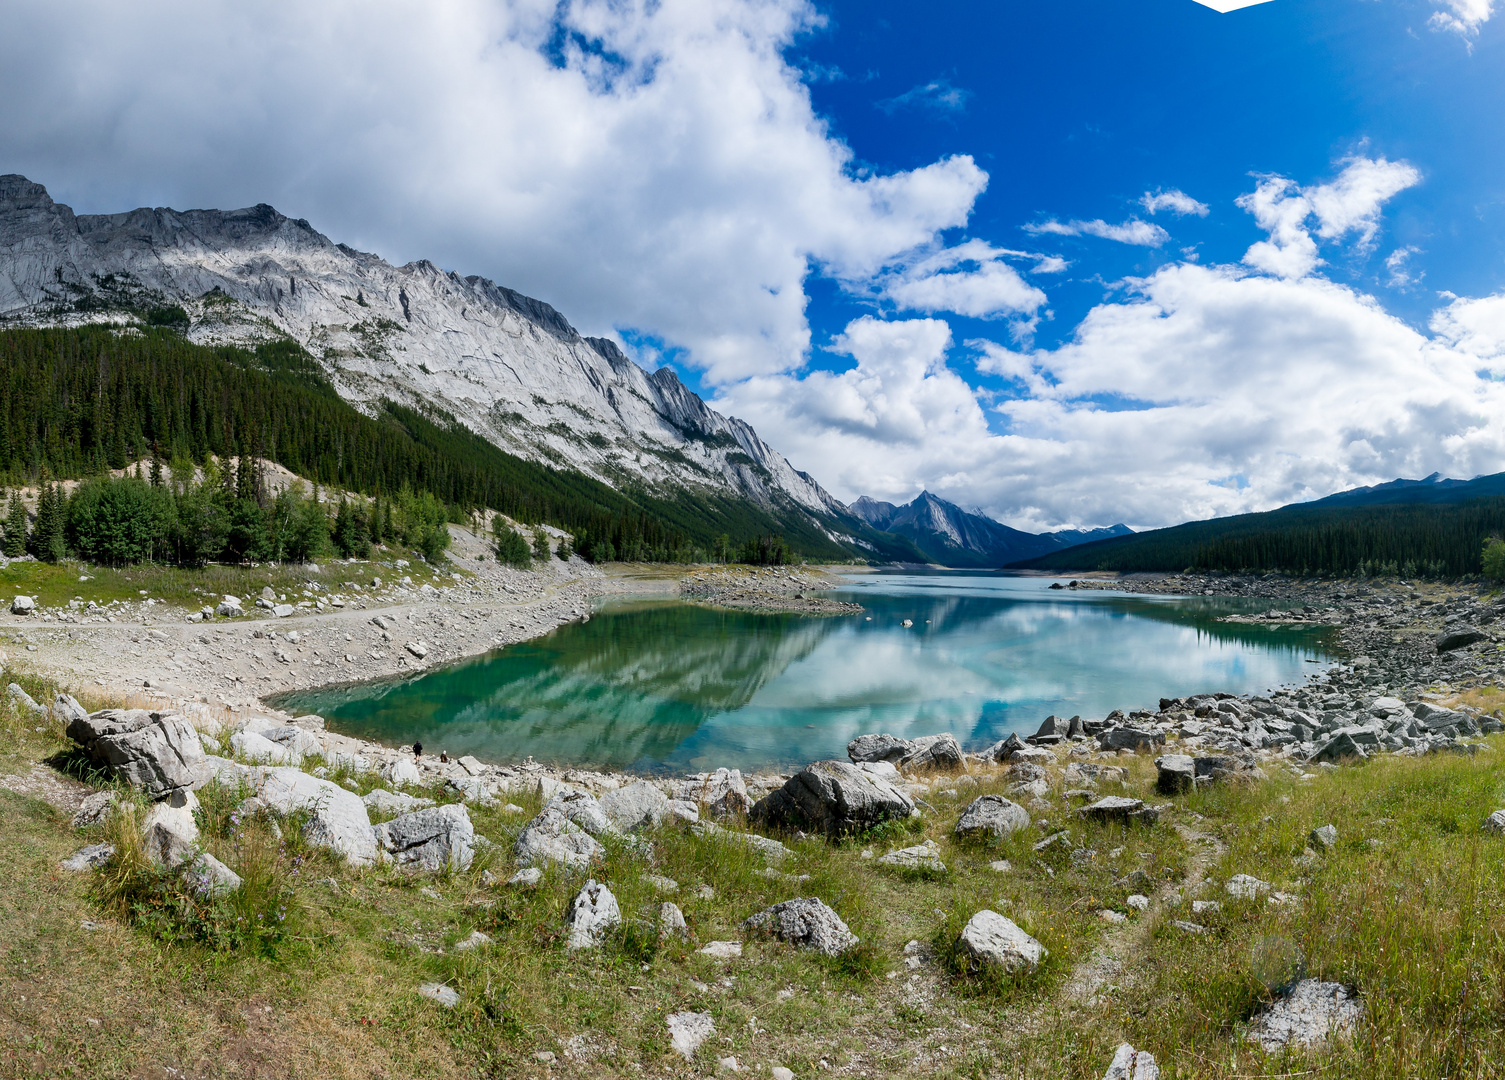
1431 489
508 367
951 536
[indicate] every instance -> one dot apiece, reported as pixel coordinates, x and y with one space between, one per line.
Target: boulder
765 846
282 611
1131 1064
94 809
992 815
1127 738
1341 747
833 797
67 710
805 923
295 740
552 837
1052 730
229 607
169 834
158 752
592 914
417 648
639 805
1246 887
1447 641
933 753
210 877
433 839
990 939
338 818
89 858
258 748
1177 773
26 701
390 802
23 605
926 856
878 748
1004 749
582 808
687 1030
526 878
440 994
1495 823
723 793
402 773
671 921
1310 1014
1324 838
1122 810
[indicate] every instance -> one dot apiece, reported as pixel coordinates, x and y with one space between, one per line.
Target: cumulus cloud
1462 17
1398 263
1176 201
644 165
1133 231
1349 204
971 279
1208 391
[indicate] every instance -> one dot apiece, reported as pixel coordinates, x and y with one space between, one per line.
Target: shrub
1494 558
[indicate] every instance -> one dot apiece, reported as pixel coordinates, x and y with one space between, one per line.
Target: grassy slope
1415 922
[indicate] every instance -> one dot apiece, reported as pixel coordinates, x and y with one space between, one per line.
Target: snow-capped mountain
956 537
509 367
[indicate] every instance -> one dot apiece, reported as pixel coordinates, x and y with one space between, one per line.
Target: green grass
1416 923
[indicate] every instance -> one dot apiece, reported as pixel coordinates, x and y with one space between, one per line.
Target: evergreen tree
541 545
509 545
156 474
15 527
48 538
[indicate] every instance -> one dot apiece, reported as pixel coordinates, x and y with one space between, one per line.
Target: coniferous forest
76 403
1411 540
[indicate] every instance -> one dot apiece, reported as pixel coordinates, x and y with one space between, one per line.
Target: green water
652 685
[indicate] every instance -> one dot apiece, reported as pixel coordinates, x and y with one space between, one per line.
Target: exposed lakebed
657 684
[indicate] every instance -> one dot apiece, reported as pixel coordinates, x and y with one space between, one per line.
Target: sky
1071 264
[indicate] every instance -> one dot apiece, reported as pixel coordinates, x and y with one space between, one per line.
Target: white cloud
647 165
1349 204
1462 17
1209 391
1398 262
970 279
937 96
1133 231
1174 200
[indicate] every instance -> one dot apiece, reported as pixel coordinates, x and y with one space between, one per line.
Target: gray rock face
991 939
1131 1064
433 839
878 748
1342 747
155 751
338 818
832 797
552 837
637 806
926 754
1177 773
592 915
805 923
992 816
509 367
1310 1014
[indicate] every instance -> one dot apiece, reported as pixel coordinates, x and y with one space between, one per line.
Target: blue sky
1070 263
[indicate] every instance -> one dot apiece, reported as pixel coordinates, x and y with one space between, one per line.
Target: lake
653 685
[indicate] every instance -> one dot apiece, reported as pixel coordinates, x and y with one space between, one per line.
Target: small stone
1324 838
526 878
1139 902
1131 1064
992 815
1205 907
806 923
418 649
1110 916
926 856
440 994
1495 823
990 938
1310 1014
1246 887
778 1072
1000 866
89 858
728 1064
593 912
723 950
671 922
661 884
1189 927
476 940
687 1030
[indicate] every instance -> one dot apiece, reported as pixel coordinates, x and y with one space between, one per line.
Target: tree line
1408 540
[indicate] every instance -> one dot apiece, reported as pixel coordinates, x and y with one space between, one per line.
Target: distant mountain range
951 536
1431 489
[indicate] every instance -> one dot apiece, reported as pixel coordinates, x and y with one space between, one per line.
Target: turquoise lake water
652 685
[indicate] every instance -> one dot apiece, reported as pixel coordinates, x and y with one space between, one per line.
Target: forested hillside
77 402
1414 540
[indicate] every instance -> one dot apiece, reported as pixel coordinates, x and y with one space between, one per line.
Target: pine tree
541 545
156 466
15 527
47 540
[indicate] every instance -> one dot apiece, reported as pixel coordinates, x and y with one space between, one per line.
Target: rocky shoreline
766 589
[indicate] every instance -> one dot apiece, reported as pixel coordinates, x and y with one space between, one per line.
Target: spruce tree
541 545
15 527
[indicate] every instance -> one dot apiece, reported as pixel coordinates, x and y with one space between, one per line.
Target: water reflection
671 685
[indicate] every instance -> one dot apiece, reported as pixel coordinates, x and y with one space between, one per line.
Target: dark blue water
662 684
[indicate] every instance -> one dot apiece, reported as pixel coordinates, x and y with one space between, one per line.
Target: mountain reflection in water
654 685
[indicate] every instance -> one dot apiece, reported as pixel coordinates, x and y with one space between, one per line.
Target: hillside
951 536
1415 539
504 366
